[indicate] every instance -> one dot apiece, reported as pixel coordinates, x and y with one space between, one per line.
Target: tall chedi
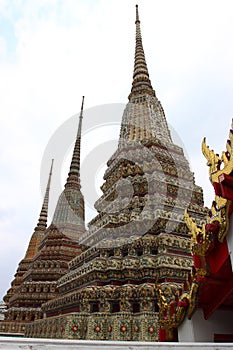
148 183
137 259
24 265
59 245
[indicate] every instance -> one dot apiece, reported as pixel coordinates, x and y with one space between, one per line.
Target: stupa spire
42 222
39 230
141 81
73 179
69 213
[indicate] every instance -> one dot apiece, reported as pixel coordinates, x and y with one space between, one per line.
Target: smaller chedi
49 251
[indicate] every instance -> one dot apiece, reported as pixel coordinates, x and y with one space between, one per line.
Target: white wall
200 330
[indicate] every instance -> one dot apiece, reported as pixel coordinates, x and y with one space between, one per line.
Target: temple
211 247
140 268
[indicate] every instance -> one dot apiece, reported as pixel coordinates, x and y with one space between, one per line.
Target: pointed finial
137 15
141 81
42 222
80 118
73 179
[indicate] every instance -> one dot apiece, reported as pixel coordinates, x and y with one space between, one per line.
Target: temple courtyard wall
10 343
200 330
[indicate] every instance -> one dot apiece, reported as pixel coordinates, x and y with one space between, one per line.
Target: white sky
54 51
